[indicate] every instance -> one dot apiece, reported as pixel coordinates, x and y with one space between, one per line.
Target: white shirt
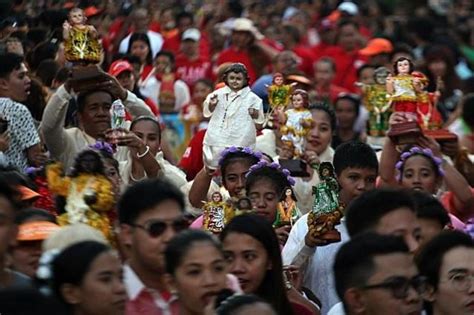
156 42
134 286
151 88
318 268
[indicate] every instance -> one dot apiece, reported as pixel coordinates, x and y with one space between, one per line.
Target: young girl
233 165
139 46
423 168
252 250
266 183
83 272
196 269
234 111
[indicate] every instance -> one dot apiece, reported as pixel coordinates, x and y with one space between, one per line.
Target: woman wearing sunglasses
448 263
196 270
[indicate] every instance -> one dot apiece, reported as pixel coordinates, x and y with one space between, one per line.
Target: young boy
356 168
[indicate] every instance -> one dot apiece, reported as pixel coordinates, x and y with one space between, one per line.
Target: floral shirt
22 130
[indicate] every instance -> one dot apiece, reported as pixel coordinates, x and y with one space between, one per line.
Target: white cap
348 7
192 34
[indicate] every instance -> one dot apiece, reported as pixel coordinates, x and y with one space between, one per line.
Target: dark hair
235 302
25 301
275 176
150 119
233 157
61 75
328 110
78 168
468 109
395 65
403 48
10 62
293 32
168 54
364 212
36 99
206 82
353 98
428 207
46 71
272 288
362 68
73 263
81 98
354 154
432 162
151 193
28 213
430 257
180 245
144 38
44 50
184 15
354 263
236 68
10 193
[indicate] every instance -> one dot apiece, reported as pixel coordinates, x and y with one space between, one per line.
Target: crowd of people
237 122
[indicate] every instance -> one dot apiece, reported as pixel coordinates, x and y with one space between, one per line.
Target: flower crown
102 146
419 151
234 149
262 163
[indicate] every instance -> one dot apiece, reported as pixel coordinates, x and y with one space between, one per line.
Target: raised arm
52 123
200 187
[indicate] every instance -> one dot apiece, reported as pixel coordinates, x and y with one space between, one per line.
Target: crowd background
162 59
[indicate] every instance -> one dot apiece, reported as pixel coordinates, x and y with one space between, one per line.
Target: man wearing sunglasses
448 263
375 274
151 212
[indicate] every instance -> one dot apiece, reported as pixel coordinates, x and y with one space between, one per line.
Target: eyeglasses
399 286
157 228
461 281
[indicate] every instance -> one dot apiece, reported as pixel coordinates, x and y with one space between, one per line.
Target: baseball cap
349 8
92 11
27 193
192 34
377 46
36 231
119 66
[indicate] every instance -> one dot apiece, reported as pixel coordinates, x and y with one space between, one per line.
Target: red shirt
329 95
347 64
232 55
191 162
173 44
307 59
192 70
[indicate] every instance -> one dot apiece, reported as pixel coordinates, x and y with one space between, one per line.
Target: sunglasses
156 228
400 286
